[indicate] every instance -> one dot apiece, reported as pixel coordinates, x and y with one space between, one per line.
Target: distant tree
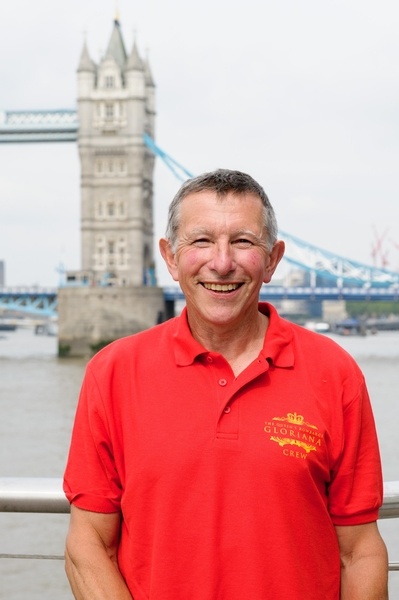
372 309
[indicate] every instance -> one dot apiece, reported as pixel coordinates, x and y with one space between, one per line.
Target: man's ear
275 256
169 257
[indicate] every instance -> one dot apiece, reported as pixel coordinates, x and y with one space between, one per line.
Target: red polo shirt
229 487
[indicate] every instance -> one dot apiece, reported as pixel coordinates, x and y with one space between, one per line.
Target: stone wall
91 317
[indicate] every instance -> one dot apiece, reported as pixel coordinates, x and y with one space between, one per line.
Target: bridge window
111 209
121 256
100 257
109 81
122 209
109 110
111 247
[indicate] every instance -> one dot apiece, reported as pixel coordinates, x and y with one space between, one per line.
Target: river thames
38 394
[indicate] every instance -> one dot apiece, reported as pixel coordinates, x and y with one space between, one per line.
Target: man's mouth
221 287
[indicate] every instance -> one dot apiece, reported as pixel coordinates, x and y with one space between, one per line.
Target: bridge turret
86 70
135 86
150 94
87 74
134 73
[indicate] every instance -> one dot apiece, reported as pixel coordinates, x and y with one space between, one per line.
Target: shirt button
227 409
209 359
222 382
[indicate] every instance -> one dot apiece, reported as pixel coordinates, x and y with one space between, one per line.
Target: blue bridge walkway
43 302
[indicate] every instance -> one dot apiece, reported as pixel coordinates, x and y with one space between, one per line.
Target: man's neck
239 344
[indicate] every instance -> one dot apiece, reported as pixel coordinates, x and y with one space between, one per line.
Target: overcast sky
303 95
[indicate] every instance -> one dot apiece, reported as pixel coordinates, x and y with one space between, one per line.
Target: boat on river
6 325
351 326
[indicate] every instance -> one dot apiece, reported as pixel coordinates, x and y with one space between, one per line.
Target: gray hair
221 181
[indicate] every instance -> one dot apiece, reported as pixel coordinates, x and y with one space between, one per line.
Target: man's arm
91 556
364 563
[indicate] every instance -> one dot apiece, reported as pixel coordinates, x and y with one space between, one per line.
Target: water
38 395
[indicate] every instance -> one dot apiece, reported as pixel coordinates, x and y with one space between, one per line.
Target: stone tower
115 109
114 294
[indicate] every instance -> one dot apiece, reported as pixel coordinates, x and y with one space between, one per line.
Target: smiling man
226 454
221 253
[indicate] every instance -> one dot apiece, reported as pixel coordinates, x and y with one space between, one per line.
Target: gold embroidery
295 419
293 430
283 441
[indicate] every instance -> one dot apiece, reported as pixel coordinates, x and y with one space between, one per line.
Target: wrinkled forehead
227 199
202 211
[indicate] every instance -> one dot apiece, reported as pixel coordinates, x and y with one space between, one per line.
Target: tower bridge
63 125
113 127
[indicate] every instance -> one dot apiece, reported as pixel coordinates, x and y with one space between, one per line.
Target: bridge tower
115 109
115 291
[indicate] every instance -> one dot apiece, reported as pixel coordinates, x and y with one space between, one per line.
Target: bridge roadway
43 301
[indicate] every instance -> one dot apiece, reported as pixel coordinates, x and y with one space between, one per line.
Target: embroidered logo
293 430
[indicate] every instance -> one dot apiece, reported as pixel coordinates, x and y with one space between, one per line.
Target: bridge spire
117 14
116 46
86 63
134 61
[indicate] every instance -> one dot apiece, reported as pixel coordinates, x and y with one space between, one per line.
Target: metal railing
45 495
32 495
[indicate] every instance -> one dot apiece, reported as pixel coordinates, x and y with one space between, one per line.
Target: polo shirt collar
186 348
277 348
278 345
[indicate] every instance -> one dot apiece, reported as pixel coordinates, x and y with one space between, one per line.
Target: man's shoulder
315 345
321 349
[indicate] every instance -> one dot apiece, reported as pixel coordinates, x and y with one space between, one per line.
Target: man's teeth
217 287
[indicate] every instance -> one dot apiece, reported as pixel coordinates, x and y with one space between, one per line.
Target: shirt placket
227 389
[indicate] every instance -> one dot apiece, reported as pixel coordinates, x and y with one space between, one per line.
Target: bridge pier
91 317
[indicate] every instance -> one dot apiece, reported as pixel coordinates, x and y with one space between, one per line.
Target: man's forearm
95 578
365 579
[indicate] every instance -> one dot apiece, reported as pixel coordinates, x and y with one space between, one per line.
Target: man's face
221 257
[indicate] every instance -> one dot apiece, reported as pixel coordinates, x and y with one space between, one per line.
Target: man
226 454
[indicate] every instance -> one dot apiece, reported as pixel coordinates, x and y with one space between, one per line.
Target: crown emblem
295 419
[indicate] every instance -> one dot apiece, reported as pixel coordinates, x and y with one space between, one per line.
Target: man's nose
222 260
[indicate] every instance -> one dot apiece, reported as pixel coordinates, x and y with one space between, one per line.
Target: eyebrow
235 233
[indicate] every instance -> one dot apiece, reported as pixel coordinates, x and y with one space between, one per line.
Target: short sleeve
91 480
356 491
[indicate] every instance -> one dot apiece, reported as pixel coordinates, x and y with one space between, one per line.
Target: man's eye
243 243
201 242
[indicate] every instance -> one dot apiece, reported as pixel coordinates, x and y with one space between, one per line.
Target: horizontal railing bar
393 566
390 507
45 495
33 556
32 495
